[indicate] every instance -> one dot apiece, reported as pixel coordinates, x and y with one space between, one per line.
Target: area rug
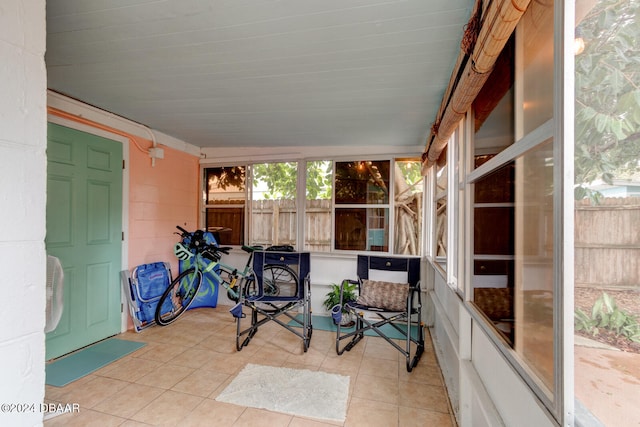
325 323
76 365
299 392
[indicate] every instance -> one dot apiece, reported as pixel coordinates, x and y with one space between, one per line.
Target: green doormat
325 323
83 362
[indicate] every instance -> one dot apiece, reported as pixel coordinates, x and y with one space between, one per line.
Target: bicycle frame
234 275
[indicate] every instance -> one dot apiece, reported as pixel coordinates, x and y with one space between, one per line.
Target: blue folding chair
388 294
281 289
143 288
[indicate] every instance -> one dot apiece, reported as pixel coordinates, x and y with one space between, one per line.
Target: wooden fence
274 222
607 243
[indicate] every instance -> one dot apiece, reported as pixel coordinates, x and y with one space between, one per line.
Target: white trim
89 112
528 142
301 198
564 75
229 155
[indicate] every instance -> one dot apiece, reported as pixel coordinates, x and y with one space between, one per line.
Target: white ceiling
260 73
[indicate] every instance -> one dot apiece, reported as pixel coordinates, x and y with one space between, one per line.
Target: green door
84 230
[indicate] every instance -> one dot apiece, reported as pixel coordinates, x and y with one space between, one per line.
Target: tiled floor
176 377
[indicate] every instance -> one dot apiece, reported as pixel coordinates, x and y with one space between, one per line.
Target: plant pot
336 314
341 318
347 320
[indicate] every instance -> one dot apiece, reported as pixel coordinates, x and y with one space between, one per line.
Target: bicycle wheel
279 280
250 288
178 296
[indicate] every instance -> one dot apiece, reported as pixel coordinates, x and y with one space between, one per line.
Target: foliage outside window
356 215
607 188
273 204
317 220
225 195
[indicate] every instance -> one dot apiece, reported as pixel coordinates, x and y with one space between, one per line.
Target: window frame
301 198
559 400
389 206
204 206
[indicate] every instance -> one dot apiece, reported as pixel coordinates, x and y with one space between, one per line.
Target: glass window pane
534 295
493 247
362 182
408 206
362 229
441 216
607 200
273 204
493 107
537 57
513 258
225 203
317 219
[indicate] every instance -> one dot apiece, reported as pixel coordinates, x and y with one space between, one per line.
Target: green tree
281 179
319 174
607 84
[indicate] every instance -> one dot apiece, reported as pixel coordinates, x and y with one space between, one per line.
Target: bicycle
182 291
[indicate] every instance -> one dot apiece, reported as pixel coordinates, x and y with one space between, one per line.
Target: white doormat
297 392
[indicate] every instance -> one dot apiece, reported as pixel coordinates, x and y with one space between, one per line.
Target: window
317 217
273 204
408 206
362 205
348 205
441 224
513 205
225 203
607 203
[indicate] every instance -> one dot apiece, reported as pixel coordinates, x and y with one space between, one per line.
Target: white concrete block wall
22 209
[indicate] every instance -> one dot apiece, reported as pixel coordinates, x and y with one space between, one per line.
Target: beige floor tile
368 413
413 417
129 400
193 358
170 408
210 413
131 369
376 388
424 396
423 373
90 393
219 344
304 422
343 366
165 376
201 382
379 348
84 418
226 364
174 380
161 352
132 423
379 367
260 418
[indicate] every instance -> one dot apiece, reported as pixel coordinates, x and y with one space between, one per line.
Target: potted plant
332 302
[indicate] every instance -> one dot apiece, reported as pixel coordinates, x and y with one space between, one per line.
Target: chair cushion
385 295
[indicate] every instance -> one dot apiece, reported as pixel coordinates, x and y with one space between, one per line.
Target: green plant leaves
605 314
